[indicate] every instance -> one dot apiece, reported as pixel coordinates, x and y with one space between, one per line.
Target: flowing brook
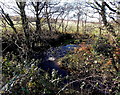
48 62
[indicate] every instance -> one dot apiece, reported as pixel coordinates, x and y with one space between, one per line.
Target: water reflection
48 58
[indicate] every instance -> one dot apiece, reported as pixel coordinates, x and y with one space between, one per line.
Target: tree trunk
104 19
78 21
47 17
38 23
21 6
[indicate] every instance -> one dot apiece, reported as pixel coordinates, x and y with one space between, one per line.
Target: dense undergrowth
90 67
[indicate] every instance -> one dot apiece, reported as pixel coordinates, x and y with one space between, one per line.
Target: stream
48 62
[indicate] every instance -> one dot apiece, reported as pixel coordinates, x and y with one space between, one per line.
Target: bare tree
7 18
79 8
38 7
79 13
21 6
101 8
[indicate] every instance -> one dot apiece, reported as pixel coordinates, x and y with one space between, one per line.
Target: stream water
48 58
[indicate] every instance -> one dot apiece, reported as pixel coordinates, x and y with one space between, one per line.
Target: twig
7 47
72 83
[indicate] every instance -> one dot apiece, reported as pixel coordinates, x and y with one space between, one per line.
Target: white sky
12 4
36 0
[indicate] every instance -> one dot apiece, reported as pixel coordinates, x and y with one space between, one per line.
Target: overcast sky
12 4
